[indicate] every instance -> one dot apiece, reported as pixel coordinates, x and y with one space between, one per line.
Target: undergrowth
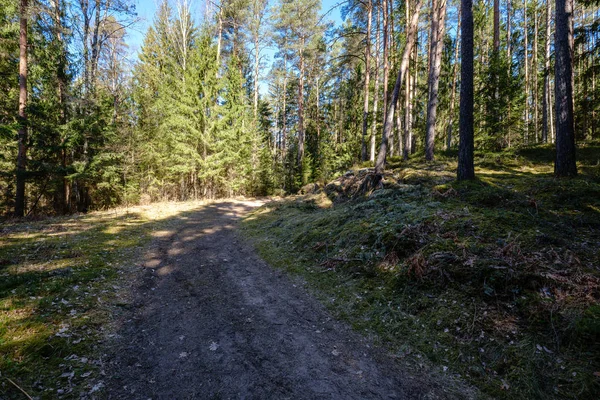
495 280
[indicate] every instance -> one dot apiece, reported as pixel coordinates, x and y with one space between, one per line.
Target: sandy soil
211 320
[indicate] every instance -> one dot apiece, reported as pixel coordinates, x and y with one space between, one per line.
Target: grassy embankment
59 292
495 280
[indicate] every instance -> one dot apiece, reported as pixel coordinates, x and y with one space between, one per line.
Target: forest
428 171
251 97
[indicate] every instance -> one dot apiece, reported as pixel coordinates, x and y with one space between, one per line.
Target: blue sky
147 8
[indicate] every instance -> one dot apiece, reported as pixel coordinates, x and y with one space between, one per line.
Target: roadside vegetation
61 286
494 280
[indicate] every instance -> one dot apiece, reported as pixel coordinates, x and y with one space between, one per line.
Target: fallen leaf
213 346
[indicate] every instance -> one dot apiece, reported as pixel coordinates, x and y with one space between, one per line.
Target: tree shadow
56 277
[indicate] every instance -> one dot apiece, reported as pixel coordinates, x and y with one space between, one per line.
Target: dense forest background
205 113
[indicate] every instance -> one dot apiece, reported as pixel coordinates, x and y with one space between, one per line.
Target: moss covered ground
496 280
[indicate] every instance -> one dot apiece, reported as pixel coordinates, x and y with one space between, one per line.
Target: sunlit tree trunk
22 133
385 60
407 117
546 91
435 65
258 8
376 94
284 111
454 84
219 37
535 73
301 105
365 122
389 117
407 99
508 32
526 61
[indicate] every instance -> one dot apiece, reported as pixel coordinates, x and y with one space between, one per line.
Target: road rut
211 320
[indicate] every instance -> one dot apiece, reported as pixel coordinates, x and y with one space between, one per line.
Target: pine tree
466 168
22 135
564 164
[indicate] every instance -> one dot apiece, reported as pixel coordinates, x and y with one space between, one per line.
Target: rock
311 188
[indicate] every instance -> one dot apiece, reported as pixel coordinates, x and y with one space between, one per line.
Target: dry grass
61 281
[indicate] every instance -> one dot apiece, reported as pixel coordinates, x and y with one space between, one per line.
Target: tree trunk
435 65
407 99
508 32
301 107
407 117
546 91
365 122
466 167
256 72
375 96
496 26
454 84
526 61
219 38
563 74
284 113
389 117
535 73
22 133
386 64
414 82
96 44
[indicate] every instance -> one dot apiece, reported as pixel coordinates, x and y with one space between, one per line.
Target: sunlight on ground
160 234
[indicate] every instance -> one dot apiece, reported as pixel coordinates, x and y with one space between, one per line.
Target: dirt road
211 320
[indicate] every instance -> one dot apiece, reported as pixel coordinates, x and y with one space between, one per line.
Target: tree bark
256 73
407 117
375 96
466 167
22 133
389 117
284 113
508 32
454 84
365 122
301 106
435 65
535 73
546 90
526 61
407 99
563 74
496 26
219 38
386 64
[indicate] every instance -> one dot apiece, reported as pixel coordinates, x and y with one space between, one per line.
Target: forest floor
425 288
169 302
495 281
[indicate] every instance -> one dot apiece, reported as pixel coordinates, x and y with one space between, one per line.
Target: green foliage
503 100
